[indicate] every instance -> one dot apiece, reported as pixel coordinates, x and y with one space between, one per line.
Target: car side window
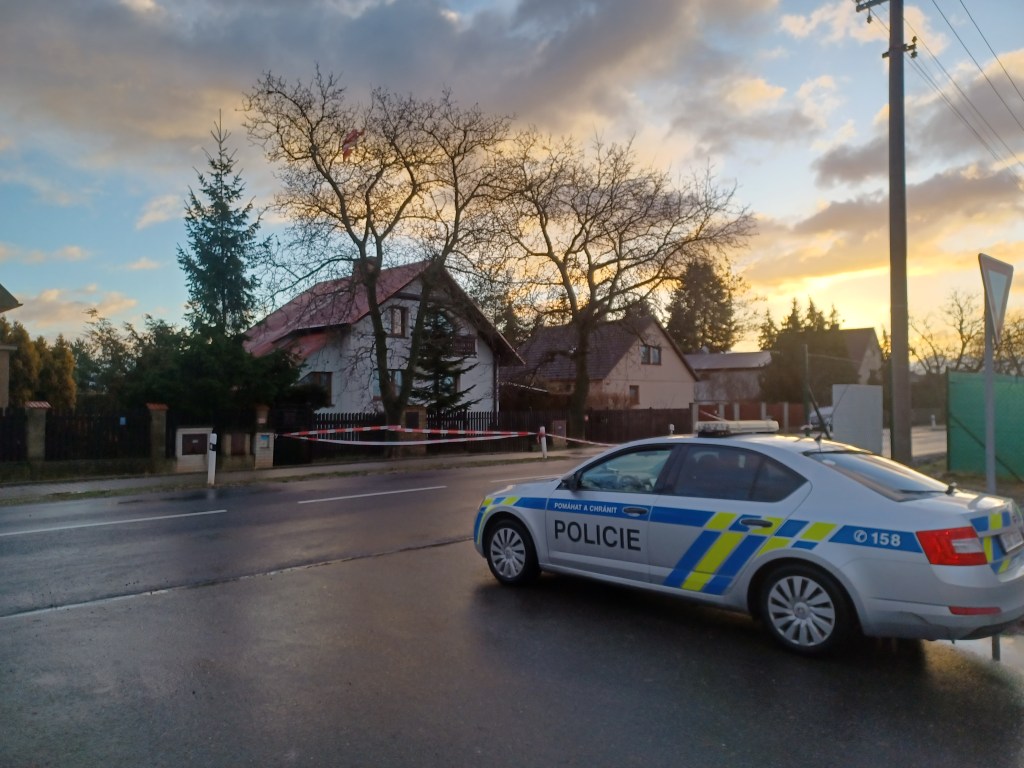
725 472
632 472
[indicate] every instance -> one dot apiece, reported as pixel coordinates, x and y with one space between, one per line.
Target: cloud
35 256
166 70
843 248
943 121
937 134
847 164
143 264
160 209
750 95
60 311
830 23
45 190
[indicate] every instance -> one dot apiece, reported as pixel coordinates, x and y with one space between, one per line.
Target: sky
106 108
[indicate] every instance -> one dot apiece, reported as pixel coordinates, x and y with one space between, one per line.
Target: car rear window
880 474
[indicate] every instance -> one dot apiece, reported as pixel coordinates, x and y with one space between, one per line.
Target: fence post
543 443
5 375
157 435
35 430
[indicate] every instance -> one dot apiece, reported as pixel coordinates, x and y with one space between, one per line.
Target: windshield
880 474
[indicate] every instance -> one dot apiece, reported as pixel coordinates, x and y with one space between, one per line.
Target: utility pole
899 313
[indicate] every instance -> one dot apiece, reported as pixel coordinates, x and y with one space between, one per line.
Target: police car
815 538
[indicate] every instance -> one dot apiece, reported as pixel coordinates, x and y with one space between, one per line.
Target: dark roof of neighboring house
703 362
547 353
859 341
303 324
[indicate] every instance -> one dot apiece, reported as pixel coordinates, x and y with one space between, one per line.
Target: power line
980 69
994 54
938 89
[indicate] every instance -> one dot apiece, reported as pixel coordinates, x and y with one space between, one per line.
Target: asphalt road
349 622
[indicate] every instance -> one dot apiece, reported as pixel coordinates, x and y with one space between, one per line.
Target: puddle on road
1011 650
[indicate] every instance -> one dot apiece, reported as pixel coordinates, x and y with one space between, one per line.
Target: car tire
510 552
805 609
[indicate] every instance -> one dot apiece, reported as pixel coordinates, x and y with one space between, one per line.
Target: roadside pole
996 276
211 459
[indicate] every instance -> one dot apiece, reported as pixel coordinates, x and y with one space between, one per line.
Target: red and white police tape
464 436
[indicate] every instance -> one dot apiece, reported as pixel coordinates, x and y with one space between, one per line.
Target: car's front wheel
805 609
511 555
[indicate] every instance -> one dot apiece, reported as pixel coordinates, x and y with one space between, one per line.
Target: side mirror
570 482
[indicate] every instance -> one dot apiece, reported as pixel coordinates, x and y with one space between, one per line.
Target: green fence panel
966 424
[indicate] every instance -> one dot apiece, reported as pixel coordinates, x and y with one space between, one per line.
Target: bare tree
1010 354
955 341
597 233
369 186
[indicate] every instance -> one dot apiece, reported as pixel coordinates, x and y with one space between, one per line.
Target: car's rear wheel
511 555
805 609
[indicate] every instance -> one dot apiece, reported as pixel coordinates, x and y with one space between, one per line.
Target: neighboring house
863 348
631 364
328 328
728 377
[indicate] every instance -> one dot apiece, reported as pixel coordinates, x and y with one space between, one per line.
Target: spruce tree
702 311
223 247
439 368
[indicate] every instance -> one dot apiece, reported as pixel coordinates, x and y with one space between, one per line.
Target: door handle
635 511
755 522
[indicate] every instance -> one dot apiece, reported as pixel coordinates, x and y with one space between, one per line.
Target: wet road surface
365 631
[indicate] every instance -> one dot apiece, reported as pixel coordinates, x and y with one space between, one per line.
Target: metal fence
78 436
13 446
126 434
965 419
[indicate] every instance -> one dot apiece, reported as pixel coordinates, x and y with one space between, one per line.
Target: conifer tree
439 368
702 311
223 247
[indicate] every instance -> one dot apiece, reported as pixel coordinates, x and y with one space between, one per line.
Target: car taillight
961 610
952 546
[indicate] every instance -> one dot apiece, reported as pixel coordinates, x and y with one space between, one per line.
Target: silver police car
815 538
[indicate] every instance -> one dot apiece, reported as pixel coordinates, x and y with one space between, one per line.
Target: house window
395 374
464 345
320 379
634 394
396 321
650 355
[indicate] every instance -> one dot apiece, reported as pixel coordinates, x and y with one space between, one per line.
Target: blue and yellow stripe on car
490 502
998 558
725 546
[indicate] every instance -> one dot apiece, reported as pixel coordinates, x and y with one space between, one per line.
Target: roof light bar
725 428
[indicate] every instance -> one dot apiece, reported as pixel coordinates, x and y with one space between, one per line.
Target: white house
328 328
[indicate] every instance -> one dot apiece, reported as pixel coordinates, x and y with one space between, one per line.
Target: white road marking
113 522
376 493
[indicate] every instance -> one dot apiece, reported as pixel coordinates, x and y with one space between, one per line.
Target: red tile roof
329 304
301 326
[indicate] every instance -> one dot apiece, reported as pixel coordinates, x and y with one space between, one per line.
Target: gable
302 324
547 354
